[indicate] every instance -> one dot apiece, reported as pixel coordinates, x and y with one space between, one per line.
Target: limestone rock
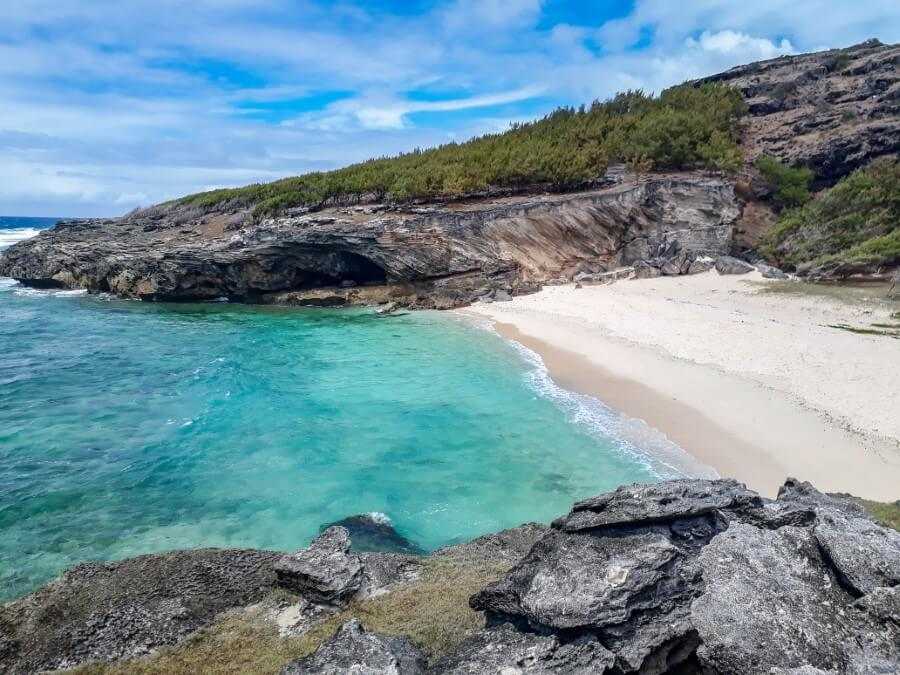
325 572
770 602
865 555
641 504
504 649
725 264
770 272
354 650
701 265
115 610
645 270
441 256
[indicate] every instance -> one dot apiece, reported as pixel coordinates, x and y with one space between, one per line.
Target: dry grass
433 612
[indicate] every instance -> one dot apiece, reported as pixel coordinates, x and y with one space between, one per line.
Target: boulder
725 264
643 269
770 272
354 650
326 572
700 265
772 602
643 504
504 649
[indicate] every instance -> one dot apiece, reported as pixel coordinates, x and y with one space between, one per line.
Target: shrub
790 185
682 127
856 222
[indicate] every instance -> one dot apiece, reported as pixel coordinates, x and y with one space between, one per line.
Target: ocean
130 427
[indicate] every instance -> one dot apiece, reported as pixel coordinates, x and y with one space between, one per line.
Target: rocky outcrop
353 650
705 576
109 611
728 265
684 576
431 256
373 532
833 111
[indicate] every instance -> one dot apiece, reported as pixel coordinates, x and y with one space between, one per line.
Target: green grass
682 127
433 612
886 513
854 225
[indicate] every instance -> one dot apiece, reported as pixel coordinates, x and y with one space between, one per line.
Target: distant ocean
13 228
129 427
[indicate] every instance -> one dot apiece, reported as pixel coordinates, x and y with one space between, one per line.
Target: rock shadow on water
374 533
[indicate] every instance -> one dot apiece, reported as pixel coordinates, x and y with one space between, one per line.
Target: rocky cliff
686 576
432 256
834 111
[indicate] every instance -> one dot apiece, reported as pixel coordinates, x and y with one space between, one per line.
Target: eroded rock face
109 611
435 256
706 576
833 111
354 650
325 572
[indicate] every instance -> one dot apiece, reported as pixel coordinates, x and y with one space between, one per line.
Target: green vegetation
790 185
682 127
854 225
433 612
886 513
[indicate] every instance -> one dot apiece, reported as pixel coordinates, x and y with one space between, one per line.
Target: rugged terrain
687 576
834 111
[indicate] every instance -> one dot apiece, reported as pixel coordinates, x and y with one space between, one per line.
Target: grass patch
886 513
683 127
433 612
790 185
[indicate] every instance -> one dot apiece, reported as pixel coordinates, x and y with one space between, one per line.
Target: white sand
757 385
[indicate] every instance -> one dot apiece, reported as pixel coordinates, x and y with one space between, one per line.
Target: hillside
652 182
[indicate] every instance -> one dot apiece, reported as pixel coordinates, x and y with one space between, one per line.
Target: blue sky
108 105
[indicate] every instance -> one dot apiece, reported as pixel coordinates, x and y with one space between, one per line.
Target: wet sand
758 385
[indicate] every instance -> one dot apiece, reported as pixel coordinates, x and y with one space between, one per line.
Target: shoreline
722 418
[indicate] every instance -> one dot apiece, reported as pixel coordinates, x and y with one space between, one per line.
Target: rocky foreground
833 111
687 576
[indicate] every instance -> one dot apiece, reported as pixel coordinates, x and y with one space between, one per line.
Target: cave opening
358 269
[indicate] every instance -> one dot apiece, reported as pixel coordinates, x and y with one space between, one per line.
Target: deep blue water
128 427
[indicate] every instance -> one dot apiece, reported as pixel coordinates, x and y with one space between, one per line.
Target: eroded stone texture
504 649
355 651
325 572
109 611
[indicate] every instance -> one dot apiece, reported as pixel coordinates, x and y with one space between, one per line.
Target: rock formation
833 111
683 576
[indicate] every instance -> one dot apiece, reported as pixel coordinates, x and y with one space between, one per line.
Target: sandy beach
751 377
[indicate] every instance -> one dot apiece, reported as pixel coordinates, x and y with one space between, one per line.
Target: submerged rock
354 650
374 532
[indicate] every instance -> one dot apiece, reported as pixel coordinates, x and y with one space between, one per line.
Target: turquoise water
128 427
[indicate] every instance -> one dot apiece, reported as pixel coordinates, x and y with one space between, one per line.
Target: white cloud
106 106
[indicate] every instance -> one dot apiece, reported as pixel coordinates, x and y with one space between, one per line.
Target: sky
110 105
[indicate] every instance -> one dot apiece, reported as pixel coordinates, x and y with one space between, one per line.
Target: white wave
10 237
379 517
633 437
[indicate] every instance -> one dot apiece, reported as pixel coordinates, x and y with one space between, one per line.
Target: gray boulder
645 270
352 650
642 504
326 572
770 272
864 554
725 264
771 602
504 649
700 265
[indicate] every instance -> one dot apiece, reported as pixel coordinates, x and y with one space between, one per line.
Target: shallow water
127 428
